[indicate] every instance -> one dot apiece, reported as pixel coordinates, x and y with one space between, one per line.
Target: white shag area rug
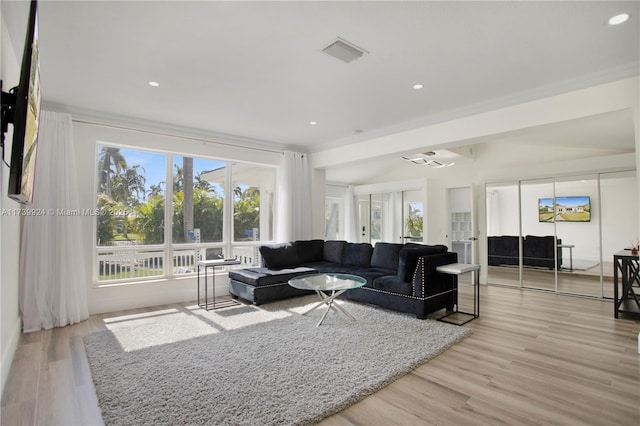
254 365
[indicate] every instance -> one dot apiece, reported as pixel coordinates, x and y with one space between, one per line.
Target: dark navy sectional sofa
401 277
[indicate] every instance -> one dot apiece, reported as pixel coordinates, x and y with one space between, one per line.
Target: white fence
131 261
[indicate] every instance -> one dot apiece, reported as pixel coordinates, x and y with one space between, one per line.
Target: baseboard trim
8 351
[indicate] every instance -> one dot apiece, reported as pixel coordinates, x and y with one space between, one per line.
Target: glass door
377 209
364 218
392 217
538 237
503 231
578 235
412 217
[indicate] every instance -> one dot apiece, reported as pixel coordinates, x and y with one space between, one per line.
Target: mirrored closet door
560 234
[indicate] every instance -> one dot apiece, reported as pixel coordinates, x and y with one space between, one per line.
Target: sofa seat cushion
326 267
386 255
393 284
369 274
258 277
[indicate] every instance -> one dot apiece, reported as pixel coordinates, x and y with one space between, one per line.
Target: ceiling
255 71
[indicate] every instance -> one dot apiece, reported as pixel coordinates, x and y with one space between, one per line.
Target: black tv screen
25 116
565 209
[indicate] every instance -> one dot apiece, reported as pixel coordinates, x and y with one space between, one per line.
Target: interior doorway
393 217
461 233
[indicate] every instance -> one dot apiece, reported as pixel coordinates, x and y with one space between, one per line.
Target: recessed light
619 19
313 123
418 86
154 84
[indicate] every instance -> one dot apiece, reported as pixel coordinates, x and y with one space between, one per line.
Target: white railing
125 262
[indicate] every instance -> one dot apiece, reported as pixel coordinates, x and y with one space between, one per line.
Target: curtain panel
294 198
53 278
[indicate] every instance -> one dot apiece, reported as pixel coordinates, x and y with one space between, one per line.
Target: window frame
168 247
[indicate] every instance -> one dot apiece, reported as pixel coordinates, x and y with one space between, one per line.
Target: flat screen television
565 209
21 106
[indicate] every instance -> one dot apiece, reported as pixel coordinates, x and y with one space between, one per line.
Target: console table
212 264
458 269
626 277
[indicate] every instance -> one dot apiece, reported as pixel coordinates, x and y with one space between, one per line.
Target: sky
154 164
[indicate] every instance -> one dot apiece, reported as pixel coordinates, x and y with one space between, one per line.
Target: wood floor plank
534 358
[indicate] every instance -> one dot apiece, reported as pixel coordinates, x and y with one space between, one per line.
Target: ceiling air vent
343 50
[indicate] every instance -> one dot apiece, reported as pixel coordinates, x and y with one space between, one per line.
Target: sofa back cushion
277 256
332 251
505 245
408 258
538 247
357 254
386 255
310 251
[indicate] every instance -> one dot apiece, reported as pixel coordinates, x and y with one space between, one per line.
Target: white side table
570 247
212 264
459 269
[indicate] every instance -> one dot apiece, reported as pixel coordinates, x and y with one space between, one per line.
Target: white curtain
351 216
294 198
493 222
53 286
392 226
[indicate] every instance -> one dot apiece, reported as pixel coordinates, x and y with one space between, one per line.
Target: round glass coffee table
328 287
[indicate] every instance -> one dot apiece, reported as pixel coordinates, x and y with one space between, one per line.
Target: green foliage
106 222
123 188
414 225
149 220
207 216
246 212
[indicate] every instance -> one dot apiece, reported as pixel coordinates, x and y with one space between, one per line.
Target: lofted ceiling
255 71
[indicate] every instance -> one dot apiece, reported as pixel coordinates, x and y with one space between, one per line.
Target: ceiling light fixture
619 19
313 123
422 161
418 86
154 84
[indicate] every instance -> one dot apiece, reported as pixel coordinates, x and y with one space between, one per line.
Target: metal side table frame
459 269
212 264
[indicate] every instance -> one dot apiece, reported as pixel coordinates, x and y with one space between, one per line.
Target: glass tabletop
327 282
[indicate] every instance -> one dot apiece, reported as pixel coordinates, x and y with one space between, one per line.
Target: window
133 242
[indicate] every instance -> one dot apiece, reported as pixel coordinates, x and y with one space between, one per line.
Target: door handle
473 239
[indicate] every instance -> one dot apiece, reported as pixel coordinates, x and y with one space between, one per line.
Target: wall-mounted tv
21 106
565 209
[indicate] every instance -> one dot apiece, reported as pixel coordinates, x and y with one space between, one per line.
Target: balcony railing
127 262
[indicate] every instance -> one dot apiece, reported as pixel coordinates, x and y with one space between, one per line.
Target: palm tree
187 174
110 162
128 182
178 179
201 183
155 190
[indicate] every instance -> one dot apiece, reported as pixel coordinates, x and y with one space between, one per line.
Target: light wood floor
534 358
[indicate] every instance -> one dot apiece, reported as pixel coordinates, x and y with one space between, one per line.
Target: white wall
9 224
118 297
